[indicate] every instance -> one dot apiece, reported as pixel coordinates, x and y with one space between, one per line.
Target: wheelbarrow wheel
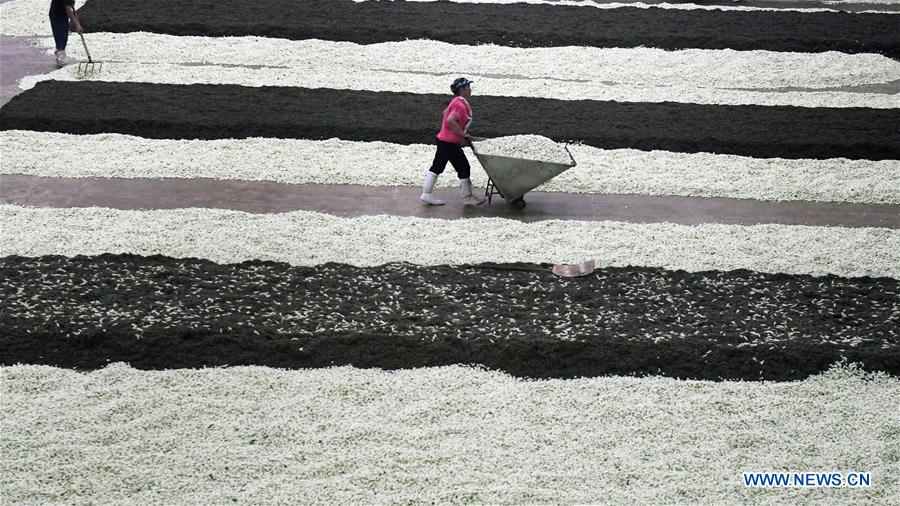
517 204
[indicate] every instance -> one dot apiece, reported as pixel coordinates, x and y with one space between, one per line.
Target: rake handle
83 43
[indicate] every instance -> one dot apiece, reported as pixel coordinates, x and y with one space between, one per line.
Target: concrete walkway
352 200
20 57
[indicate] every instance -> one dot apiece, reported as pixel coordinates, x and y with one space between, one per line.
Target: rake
88 68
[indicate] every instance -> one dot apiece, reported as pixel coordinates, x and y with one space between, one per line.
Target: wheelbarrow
512 178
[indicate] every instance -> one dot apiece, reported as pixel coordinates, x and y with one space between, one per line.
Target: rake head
89 68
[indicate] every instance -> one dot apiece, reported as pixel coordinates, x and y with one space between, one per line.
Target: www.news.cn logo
813 479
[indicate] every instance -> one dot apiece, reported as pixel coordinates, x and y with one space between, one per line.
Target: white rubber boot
61 59
427 197
465 185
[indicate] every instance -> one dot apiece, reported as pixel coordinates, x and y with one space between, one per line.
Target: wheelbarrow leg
490 191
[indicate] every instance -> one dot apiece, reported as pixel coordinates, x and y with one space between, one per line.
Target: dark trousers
453 153
60 32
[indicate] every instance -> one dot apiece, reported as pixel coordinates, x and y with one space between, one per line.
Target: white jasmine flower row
562 67
446 435
335 161
338 76
27 17
310 238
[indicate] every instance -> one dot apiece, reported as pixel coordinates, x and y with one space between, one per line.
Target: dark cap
459 83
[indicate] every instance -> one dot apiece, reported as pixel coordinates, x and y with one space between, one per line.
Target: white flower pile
342 77
445 435
828 79
27 17
526 147
334 161
310 238
726 68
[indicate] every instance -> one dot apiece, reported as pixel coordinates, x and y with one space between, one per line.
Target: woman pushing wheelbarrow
452 137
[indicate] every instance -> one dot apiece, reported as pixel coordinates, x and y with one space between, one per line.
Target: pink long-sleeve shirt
460 108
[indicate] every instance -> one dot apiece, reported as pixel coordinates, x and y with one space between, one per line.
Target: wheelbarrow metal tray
514 177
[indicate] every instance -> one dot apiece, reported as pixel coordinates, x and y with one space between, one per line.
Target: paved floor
352 200
19 57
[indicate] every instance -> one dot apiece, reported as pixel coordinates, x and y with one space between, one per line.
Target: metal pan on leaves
574 270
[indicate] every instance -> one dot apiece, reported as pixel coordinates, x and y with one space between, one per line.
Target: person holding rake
62 12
